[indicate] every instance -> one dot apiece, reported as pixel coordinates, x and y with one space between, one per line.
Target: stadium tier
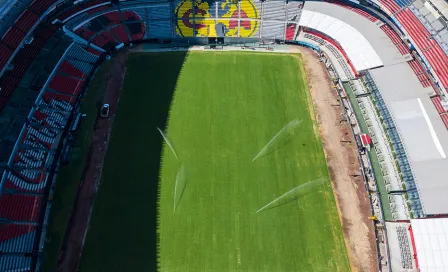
401 59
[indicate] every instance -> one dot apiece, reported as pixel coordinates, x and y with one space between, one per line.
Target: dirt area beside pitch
349 188
71 252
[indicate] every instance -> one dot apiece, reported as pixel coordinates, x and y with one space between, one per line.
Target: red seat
13 37
26 20
69 69
20 207
445 119
93 51
120 33
66 85
130 16
10 231
40 6
49 96
69 12
390 5
437 59
113 18
5 54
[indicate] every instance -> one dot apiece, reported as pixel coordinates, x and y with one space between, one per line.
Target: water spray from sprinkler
181 182
167 141
293 194
284 131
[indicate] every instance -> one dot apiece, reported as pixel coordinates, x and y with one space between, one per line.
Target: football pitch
191 205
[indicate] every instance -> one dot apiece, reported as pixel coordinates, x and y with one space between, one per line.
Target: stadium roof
422 132
431 243
442 6
358 49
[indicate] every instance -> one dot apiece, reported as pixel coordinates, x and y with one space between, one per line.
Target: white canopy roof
431 242
442 6
358 49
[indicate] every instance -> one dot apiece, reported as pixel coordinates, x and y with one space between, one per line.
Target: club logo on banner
201 15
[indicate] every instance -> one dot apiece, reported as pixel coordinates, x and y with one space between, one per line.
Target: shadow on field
168 67
123 232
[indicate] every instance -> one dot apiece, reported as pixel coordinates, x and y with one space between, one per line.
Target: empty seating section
67 68
403 3
272 30
405 249
142 12
79 53
314 38
40 6
26 21
109 37
248 11
293 11
15 262
101 41
22 62
159 29
354 9
274 10
422 39
224 10
159 12
94 52
5 54
439 62
390 5
120 33
437 101
16 237
420 73
130 16
90 6
444 119
290 31
109 19
414 28
68 85
22 200
15 207
13 37
69 12
110 29
396 40
25 181
17 32
137 30
85 33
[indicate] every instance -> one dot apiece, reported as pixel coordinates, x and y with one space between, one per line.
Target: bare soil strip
350 192
70 255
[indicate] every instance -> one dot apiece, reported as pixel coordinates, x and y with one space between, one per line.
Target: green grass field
219 110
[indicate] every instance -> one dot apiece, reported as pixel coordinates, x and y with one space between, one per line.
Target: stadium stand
111 29
31 140
30 167
406 258
354 9
396 40
430 49
21 28
421 75
24 59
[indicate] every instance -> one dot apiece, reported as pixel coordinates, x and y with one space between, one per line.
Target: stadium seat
26 21
17 207
431 50
67 85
